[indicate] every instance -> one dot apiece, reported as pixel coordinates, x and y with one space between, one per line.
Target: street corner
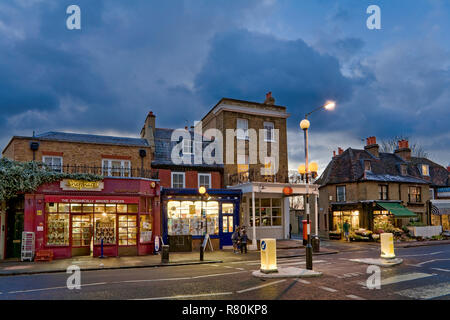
289 272
379 262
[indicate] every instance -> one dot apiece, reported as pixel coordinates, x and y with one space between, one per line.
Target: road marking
425 262
351 296
427 292
424 254
261 286
301 262
214 265
55 288
328 289
228 267
240 268
216 274
189 296
439 269
152 280
302 281
405 277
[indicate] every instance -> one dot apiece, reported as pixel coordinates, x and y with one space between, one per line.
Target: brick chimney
403 150
269 99
340 151
148 130
372 147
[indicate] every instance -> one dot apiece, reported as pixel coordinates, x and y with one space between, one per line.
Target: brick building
369 188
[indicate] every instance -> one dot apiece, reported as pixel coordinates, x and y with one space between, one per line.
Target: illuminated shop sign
78 185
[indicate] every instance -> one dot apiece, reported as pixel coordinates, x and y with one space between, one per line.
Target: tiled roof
349 167
91 138
164 146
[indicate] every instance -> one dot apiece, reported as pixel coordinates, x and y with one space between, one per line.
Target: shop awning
396 209
440 207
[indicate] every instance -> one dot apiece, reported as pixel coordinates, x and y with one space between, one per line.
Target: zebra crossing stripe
427 292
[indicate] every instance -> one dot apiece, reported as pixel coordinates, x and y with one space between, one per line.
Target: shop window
116 168
178 180
122 208
185 217
339 217
58 229
227 224
340 193
51 207
63 207
204 180
99 208
127 230
55 163
383 192
267 212
382 220
227 208
81 230
435 220
88 208
76 207
146 224
414 194
133 208
105 228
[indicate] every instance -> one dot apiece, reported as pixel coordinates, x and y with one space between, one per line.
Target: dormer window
425 170
187 146
403 170
367 165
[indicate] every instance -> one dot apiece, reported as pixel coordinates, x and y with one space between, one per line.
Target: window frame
337 193
52 166
244 134
178 173
427 174
272 135
417 196
110 170
381 192
190 146
367 165
404 168
204 175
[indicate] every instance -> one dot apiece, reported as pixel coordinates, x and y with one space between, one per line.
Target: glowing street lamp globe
330 105
202 190
304 124
302 169
313 167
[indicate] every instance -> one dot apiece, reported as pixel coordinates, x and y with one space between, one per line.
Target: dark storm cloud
246 65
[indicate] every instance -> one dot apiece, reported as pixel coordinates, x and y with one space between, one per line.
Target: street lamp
304 125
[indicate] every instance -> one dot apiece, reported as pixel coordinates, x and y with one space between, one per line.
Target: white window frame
403 167
345 193
123 167
428 169
52 166
205 175
187 144
242 133
176 173
272 135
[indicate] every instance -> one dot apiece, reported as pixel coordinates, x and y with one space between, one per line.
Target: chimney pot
269 98
340 151
448 168
334 154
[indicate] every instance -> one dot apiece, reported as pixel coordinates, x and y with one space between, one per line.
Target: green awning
397 209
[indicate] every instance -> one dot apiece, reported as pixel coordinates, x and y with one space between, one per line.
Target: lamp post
202 191
304 125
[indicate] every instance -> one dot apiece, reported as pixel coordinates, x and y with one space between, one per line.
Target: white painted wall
425 232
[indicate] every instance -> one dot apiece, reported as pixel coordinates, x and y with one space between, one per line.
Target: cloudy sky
178 58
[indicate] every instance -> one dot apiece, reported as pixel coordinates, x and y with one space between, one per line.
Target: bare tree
390 145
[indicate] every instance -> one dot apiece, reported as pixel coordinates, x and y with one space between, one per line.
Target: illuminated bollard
268 256
387 245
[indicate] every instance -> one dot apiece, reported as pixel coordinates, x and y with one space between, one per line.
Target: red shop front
75 218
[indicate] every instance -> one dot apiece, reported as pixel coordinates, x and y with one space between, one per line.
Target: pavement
285 249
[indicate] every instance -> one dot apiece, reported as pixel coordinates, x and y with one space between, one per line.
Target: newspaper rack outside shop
27 252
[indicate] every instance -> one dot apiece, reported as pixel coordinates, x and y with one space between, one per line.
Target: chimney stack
448 169
269 99
334 153
403 150
340 151
372 147
148 130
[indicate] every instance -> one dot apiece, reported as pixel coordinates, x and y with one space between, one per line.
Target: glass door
228 224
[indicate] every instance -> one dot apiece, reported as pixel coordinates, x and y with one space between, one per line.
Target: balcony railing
107 171
254 175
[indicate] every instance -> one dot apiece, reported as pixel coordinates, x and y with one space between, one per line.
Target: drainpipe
254 243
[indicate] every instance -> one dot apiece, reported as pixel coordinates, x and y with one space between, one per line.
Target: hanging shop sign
81 185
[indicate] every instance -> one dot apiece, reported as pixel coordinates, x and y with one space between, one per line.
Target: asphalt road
424 274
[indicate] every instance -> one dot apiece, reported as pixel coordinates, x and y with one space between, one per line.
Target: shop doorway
82 235
228 224
14 228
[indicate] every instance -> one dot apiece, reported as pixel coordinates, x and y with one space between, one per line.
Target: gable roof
91 138
349 167
164 146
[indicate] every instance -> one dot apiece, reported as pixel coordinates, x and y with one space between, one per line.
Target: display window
146 225
82 229
339 217
268 212
382 220
105 228
187 217
127 230
58 229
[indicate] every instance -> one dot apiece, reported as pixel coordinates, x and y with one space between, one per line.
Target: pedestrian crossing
427 292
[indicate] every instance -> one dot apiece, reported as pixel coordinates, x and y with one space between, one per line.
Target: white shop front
265 208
